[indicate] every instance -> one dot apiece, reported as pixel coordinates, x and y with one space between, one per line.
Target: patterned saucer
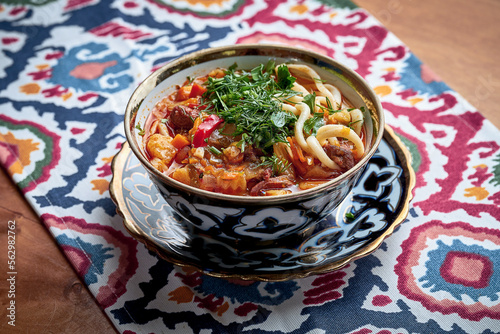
379 202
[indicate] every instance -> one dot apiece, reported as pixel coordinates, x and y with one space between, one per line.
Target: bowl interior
165 80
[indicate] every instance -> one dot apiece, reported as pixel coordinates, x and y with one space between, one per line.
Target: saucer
378 203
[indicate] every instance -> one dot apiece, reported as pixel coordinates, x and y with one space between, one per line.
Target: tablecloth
67 69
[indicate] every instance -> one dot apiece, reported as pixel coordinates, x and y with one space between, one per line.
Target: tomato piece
197 90
183 93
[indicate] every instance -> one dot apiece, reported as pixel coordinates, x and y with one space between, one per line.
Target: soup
267 131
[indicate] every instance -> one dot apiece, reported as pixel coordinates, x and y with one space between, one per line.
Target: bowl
249 221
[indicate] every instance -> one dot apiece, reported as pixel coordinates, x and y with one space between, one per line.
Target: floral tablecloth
67 69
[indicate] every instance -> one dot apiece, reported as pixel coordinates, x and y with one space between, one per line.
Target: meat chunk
182 117
252 154
222 136
219 140
341 156
278 182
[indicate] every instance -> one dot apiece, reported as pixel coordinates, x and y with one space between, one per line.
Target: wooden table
458 39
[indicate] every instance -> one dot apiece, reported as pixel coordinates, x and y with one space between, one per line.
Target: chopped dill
279 166
251 100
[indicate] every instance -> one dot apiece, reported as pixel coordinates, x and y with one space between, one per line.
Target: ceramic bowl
245 220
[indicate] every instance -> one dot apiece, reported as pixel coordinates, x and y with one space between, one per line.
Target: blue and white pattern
374 202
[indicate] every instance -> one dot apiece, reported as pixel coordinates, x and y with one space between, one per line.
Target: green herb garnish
214 150
142 132
349 216
352 123
310 101
279 166
329 107
312 124
252 101
285 79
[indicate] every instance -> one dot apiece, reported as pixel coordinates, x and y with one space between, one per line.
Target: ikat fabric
67 69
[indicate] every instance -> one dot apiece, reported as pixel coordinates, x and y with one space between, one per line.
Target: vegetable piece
180 141
182 155
161 147
349 216
182 175
304 185
205 129
233 183
159 164
142 132
197 90
191 102
214 150
183 93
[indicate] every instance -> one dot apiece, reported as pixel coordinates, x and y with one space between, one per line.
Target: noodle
357 120
299 126
323 90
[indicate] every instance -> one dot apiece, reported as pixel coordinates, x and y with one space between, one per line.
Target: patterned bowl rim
353 79
136 232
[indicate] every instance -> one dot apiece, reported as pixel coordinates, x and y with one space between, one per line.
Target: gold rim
116 191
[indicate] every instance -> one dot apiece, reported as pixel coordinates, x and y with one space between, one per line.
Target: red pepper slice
205 129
